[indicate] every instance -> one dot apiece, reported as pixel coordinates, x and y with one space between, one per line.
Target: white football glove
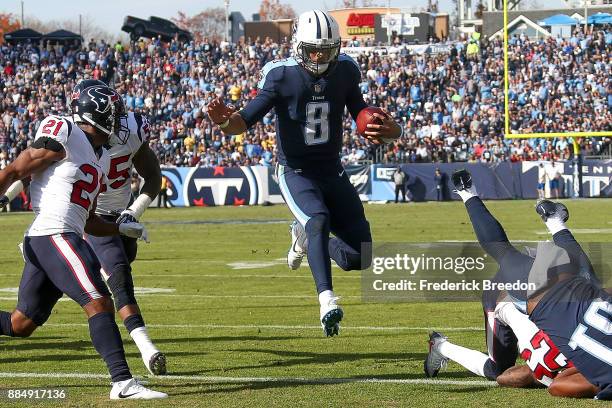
127 216
134 230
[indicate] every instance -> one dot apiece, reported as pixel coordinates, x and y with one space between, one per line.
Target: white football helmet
316 41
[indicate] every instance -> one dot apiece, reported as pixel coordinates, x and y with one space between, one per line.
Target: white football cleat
299 245
331 315
435 361
132 389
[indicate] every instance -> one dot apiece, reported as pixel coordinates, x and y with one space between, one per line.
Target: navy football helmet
78 88
102 108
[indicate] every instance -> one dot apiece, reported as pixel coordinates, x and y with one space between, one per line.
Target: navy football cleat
462 179
157 364
435 361
548 209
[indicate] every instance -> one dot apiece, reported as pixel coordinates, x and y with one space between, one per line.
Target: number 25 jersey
63 194
118 192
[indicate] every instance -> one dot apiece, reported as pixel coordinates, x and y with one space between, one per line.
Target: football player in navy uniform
68 166
309 92
569 344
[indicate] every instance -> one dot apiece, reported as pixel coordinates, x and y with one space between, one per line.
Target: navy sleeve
354 99
264 101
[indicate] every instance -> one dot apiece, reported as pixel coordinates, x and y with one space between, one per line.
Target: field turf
240 329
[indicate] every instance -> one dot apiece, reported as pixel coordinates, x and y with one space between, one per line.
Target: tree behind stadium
8 23
209 23
274 10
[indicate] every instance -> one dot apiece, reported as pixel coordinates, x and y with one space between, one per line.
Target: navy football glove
4 201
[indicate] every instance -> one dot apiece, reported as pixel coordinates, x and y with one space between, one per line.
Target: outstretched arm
226 117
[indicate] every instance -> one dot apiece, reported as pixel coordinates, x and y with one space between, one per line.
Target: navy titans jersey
577 316
308 109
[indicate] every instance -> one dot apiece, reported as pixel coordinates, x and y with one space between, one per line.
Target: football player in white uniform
116 252
68 166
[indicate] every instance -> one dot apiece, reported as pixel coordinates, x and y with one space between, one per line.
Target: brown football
366 116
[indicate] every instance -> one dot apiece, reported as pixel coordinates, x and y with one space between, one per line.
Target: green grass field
230 315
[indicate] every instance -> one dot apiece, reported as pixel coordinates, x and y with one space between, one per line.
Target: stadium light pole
586 16
389 22
226 2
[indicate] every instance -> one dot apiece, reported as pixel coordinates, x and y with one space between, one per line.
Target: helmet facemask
326 56
121 130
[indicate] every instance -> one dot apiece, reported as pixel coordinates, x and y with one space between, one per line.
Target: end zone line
281 327
239 380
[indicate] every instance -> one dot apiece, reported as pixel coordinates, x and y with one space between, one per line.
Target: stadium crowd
451 103
561 85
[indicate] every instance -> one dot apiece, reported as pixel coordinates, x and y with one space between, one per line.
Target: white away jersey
117 196
64 193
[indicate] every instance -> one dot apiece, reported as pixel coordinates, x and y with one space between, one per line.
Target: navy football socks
6 328
133 322
107 342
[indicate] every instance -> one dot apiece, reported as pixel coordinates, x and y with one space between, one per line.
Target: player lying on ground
68 166
563 305
309 93
117 252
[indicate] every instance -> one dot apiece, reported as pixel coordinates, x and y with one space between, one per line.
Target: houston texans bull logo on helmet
103 97
103 108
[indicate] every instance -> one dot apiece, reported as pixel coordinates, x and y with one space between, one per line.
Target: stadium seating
450 105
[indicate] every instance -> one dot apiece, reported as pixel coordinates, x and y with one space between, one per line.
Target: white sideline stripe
470 241
76 264
282 327
232 275
148 295
240 296
238 380
582 231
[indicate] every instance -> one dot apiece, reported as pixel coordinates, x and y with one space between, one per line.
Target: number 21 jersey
63 194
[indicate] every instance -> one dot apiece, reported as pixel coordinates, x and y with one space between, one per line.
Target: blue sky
109 13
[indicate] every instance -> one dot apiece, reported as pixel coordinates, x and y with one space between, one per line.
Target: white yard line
582 231
282 327
228 275
240 380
